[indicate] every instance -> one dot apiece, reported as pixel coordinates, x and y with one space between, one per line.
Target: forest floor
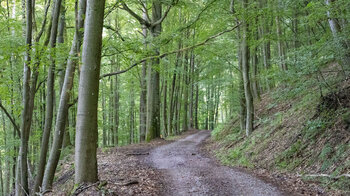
181 166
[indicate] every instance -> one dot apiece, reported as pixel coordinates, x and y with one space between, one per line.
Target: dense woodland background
168 66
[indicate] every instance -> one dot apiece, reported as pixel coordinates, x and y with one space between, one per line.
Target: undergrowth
298 131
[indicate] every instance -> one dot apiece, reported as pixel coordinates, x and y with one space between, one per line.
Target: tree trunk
196 107
132 115
165 93
153 98
51 78
280 47
172 101
143 94
87 132
104 117
185 97
242 101
66 137
116 106
333 23
246 79
26 112
50 89
62 112
191 78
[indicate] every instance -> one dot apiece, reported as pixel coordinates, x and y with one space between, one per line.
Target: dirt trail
187 172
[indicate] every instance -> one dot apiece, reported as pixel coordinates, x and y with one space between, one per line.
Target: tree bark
116 106
62 112
172 101
26 112
165 94
51 82
143 94
245 73
185 97
242 101
87 133
280 46
104 116
153 97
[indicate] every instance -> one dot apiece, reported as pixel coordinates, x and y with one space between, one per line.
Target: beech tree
87 136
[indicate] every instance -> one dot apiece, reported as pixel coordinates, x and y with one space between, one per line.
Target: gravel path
188 173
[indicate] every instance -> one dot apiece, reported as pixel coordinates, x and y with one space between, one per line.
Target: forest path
188 172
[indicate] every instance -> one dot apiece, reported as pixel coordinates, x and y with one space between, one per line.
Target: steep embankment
297 133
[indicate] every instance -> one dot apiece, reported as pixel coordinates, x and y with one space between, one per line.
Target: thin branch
110 10
199 15
11 119
44 22
144 9
137 17
171 52
163 17
114 30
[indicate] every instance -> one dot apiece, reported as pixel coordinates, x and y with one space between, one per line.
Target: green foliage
314 128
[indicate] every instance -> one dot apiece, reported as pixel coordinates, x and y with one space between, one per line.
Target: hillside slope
299 131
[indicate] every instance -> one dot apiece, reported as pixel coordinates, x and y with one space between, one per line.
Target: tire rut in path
189 173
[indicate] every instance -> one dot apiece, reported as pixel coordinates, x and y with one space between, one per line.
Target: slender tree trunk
62 112
26 112
87 133
60 40
255 81
116 106
185 97
143 94
6 187
208 109
132 115
246 79
280 46
191 78
178 105
104 117
165 93
333 23
50 85
51 75
111 109
196 107
242 101
172 101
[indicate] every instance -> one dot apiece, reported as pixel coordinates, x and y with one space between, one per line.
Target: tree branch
199 15
171 52
137 17
44 22
163 17
11 119
114 30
